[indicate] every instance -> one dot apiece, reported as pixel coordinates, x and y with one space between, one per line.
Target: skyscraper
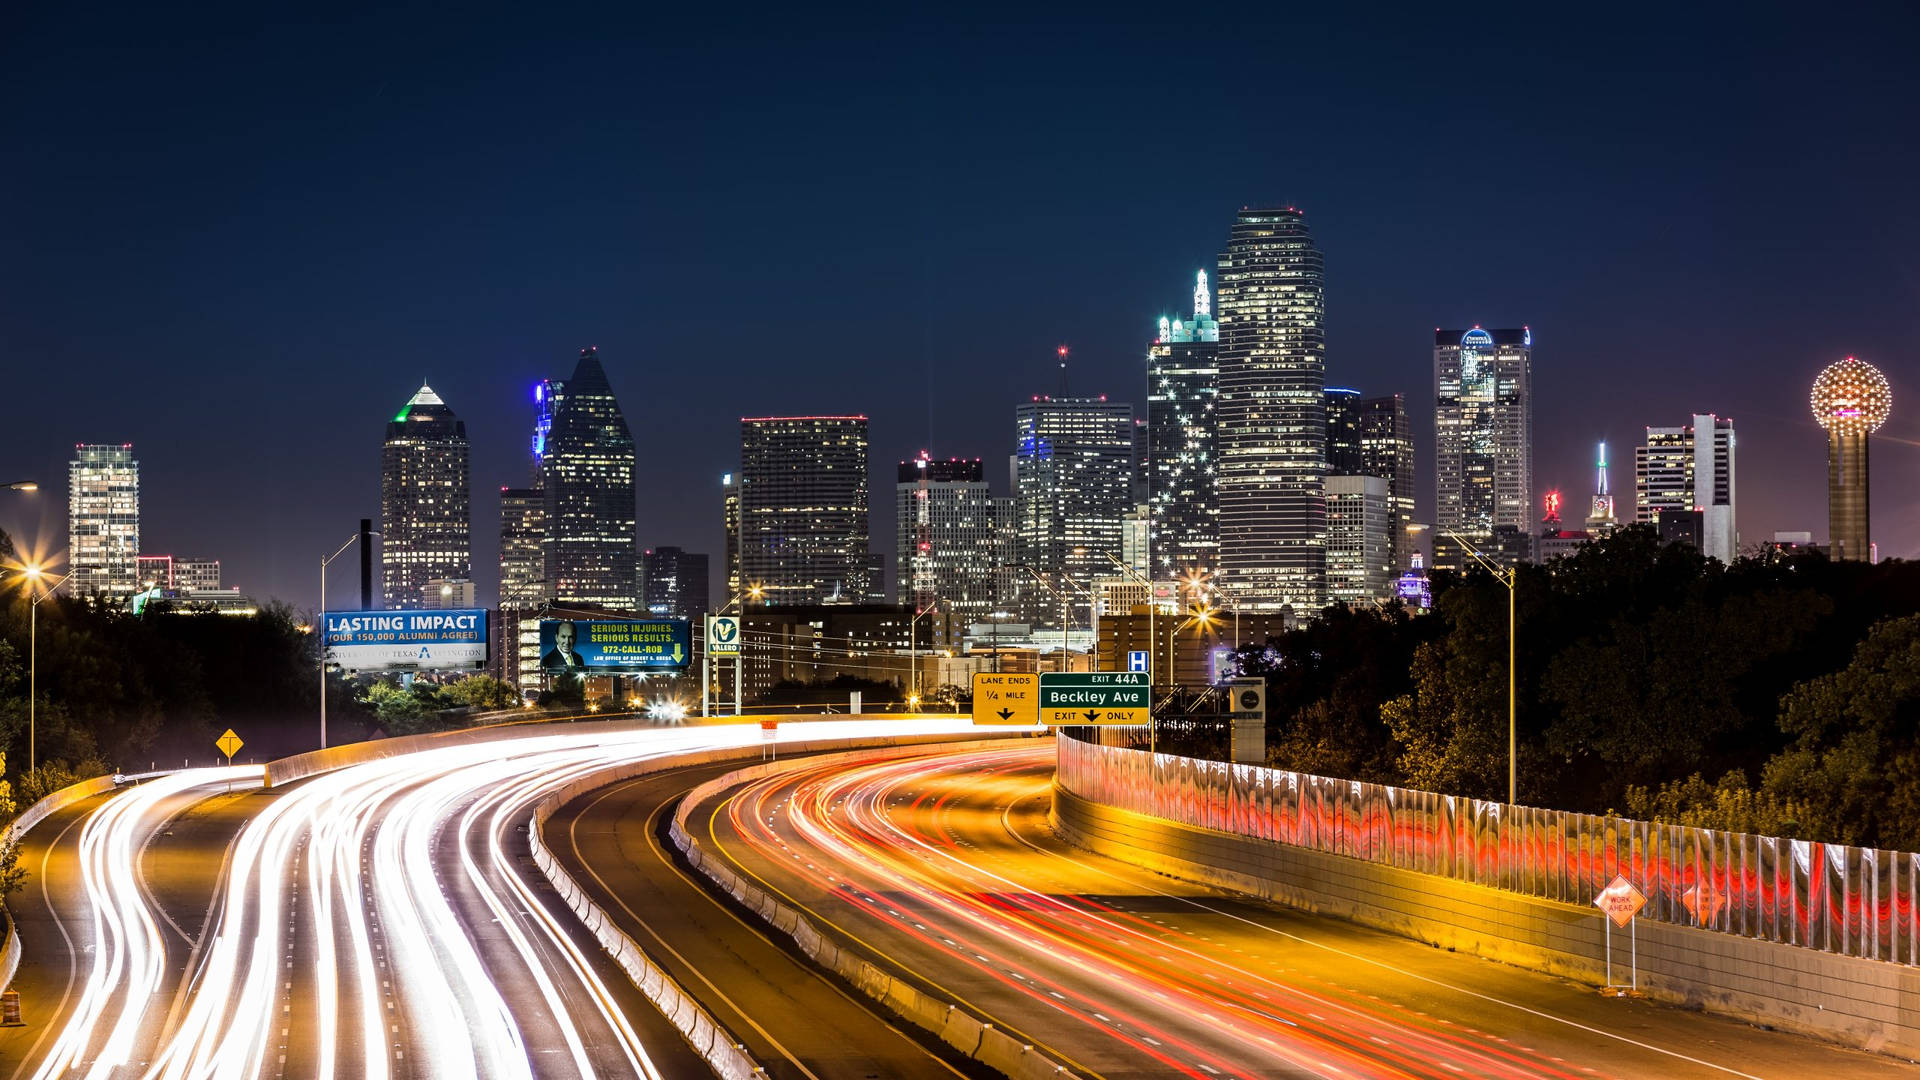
730 512
1386 450
523 569
586 461
955 538
1359 545
1483 456
1370 437
1183 383
1602 521
673 583
1272 415
1690 470
1072 490
1851 400
424 503
103 520
803 508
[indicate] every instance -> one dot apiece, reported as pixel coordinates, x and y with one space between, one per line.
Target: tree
1855 759
482 692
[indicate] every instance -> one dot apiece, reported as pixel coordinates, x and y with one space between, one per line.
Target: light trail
422 947
878 838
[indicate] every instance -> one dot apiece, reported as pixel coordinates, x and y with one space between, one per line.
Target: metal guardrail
1831 897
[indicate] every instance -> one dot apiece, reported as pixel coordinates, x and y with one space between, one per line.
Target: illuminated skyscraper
673 583
1370 437
1183 381
954 539
1359 541
425 509
523 564
1272 417
1483 459
1690 470
803 509
1851 400
586 463
1601 520
730 513
103 520
1072 490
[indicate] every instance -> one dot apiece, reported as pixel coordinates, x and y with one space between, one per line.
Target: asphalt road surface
943 867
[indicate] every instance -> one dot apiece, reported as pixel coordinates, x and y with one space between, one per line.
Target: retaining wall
976 1038
1871 1004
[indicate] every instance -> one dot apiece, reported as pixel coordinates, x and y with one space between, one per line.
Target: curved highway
384 920
943 867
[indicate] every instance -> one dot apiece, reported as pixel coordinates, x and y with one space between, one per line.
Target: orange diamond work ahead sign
1621 901
1704 901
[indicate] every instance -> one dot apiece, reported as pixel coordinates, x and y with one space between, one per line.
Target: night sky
240 239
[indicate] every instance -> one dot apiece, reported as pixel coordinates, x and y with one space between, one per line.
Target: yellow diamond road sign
229 744
1006 699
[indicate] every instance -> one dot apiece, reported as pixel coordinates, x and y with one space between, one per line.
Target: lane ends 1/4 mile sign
1006 699
1097 697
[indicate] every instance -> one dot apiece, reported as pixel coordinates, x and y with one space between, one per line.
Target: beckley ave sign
1097 697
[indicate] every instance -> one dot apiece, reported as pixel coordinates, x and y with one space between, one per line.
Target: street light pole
913 654
1508 576
321 617
35 573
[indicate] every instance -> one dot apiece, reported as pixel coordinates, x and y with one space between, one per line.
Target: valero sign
440 640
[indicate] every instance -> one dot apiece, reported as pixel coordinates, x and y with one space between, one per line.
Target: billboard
598 646
406 640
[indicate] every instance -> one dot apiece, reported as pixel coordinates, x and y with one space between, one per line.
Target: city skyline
1642 244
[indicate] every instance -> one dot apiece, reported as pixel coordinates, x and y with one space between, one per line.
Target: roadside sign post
1116 698
229 744
1620 902
1006 699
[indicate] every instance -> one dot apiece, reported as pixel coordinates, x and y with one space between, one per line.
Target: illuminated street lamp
35 574
913 655
23 485
753 592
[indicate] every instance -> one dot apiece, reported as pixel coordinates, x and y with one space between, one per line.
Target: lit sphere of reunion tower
1851 400
1851 397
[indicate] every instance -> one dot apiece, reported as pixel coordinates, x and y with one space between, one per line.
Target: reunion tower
1851 400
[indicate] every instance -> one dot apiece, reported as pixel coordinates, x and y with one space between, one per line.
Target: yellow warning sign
1006 699
229 744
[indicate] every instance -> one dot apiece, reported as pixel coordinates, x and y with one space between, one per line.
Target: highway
383 920
942 866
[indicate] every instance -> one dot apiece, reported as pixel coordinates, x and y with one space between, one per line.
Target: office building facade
1271 410
804 535
585 456
1183 387
425 506
1483 453
730 513
1072 490
1360 518
955 540
103 521
523 569
673 583
1683 470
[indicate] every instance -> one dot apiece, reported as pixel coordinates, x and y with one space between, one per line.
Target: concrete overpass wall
1444 871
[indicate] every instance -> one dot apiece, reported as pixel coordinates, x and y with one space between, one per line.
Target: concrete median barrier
945 1020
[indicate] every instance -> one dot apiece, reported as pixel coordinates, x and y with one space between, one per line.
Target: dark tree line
1778 695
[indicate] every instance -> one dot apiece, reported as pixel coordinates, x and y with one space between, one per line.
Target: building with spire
1183 383
1851 400
1271 413
1483 444
1601 521
585 461
425 508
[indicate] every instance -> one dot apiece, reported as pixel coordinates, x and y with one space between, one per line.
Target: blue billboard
405 640
600 646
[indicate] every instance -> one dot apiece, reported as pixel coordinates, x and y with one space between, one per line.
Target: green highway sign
1097 697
